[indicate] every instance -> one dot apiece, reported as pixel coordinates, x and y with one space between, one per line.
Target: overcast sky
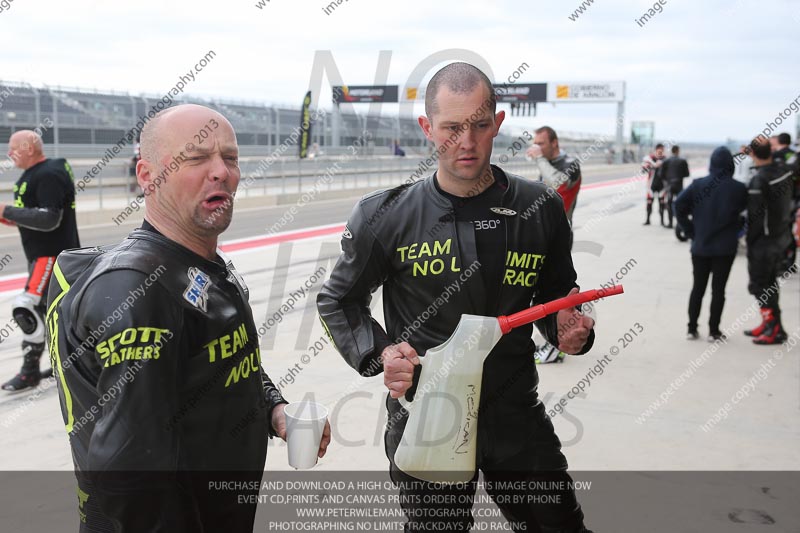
703 71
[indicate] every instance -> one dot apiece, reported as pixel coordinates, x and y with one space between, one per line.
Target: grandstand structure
86 122
96 131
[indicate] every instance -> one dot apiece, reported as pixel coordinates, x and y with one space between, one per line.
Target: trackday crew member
160 379
710 212
44 212
417 240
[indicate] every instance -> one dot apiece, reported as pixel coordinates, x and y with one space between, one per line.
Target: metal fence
82 125
327 173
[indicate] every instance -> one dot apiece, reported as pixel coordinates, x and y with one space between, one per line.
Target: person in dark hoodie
710 212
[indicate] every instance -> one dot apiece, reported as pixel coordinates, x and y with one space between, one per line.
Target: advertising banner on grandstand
364 93
591 91
521 92
305 126
414 93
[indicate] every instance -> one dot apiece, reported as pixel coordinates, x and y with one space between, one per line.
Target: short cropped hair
460 78
551 133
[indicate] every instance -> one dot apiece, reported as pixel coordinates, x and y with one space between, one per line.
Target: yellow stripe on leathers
328 332
52 324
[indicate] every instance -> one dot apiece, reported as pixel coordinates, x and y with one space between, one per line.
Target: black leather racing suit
789 157
388 242
655 184
161 387
769 234
673 172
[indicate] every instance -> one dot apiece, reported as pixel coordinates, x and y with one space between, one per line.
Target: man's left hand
279 425
573 328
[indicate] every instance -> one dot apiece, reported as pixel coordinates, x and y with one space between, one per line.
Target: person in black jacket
44 212
162 392
769 235
450 244
710 212
675 170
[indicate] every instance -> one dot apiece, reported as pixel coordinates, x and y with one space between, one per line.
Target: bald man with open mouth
159 369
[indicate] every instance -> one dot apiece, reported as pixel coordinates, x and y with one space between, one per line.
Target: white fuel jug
439 442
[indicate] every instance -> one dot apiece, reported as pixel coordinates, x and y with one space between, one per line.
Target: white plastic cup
305 422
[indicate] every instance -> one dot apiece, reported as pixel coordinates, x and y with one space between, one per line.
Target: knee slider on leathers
29 318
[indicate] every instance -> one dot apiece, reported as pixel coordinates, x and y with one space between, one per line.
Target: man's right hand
534 151
398 368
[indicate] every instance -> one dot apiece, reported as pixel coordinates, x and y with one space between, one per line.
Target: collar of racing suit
442 201
150 233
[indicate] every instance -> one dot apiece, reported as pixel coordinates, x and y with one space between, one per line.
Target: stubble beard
479 180
216 222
